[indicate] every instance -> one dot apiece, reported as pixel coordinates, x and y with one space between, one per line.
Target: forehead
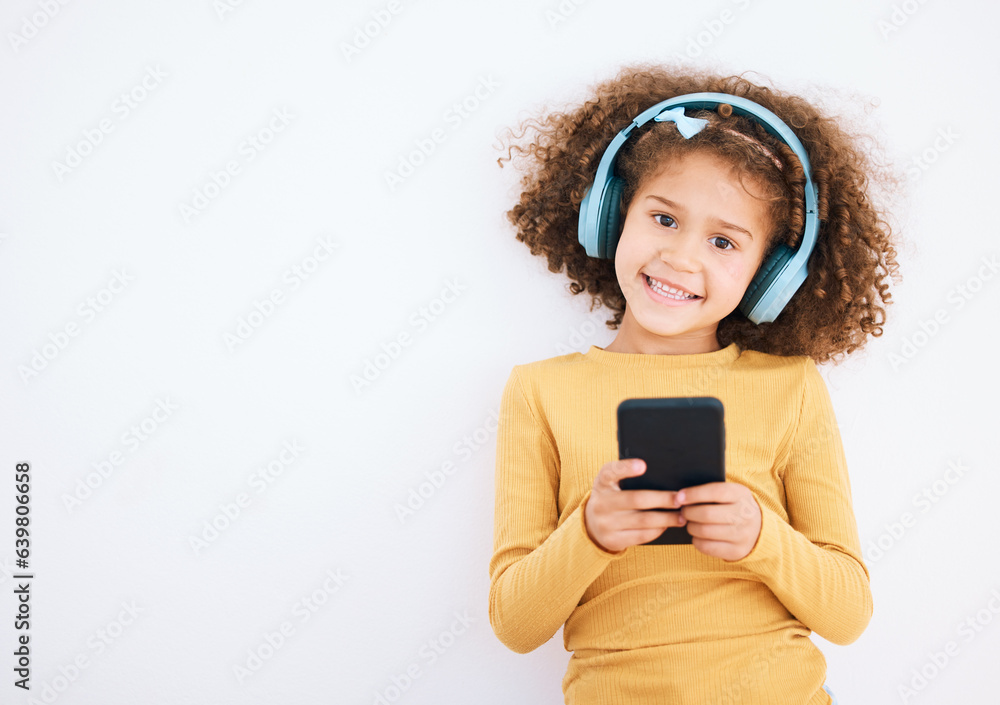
708 176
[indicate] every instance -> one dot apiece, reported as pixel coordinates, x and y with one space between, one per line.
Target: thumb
628 468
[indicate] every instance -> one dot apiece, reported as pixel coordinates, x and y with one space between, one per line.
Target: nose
681 252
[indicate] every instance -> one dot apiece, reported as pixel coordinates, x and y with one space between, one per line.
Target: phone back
682 440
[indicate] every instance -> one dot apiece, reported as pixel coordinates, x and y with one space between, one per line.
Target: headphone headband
781 275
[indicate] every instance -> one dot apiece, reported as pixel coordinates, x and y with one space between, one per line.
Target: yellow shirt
669 624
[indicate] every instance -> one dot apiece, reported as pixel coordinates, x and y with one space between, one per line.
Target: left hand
727 529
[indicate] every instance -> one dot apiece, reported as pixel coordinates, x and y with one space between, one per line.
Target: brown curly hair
842 300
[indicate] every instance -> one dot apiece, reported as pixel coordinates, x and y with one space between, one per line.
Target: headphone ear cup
768 272
609 218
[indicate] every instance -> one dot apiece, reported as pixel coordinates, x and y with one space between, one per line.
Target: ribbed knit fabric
669 624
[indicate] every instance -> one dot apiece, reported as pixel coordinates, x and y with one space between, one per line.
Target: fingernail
680 497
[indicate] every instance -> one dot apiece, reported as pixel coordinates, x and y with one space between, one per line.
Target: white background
333 507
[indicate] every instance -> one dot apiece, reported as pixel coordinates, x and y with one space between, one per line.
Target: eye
661 215
728 243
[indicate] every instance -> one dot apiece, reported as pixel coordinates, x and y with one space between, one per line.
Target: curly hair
843 298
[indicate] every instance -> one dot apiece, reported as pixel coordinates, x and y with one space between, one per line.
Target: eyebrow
723 223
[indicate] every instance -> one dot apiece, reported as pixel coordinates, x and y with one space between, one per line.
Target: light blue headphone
780 276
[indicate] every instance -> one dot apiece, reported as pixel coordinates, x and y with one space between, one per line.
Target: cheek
630 256
736 270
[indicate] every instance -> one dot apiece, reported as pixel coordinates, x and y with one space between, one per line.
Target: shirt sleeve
541 565
812 561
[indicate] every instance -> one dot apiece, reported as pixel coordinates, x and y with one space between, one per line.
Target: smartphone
682 440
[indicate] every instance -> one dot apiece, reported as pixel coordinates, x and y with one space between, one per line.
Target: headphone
780 276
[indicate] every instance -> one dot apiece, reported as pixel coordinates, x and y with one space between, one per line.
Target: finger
641 520
709 513
728 514
709 492
619 469
719 549
647 499
715 532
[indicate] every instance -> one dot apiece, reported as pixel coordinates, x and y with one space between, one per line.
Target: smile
661 291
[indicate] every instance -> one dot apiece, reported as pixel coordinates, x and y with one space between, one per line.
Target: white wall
214 78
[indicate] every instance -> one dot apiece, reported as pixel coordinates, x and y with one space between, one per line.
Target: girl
707 197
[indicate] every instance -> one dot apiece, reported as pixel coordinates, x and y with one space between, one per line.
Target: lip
668 283
665 301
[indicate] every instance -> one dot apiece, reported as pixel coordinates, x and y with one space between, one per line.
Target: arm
540 567
813 561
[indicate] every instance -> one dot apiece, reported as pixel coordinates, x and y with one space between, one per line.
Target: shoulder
551 373
800 366
549 367
784 363
798 375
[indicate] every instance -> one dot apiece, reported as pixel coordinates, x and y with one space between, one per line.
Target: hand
727 529
615 518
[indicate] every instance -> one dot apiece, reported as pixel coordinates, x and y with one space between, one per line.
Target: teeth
667 291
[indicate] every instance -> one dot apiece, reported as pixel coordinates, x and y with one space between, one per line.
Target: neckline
722 356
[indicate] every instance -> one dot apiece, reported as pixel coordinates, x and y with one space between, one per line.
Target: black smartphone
682 440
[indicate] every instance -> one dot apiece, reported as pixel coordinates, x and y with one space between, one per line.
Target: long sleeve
813 562
540 566
652 624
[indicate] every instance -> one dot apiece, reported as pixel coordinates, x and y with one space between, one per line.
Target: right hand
615 518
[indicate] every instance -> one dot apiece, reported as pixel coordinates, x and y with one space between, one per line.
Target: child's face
676 231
